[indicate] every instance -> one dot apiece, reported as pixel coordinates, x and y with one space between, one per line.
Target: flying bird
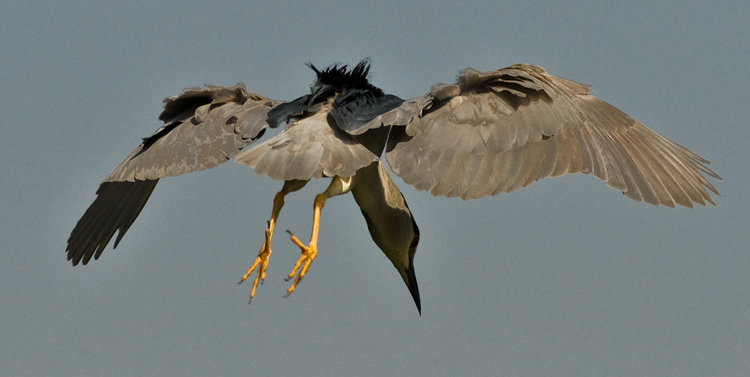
487 133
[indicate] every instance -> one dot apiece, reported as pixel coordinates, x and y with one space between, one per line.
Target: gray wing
202 128
495 132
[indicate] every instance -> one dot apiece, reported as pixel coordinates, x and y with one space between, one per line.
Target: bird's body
488 133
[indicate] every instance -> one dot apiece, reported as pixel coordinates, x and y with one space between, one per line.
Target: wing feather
116 206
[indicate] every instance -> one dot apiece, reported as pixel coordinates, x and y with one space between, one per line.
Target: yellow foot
303 263
261 262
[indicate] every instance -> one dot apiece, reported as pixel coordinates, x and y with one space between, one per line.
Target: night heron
489 133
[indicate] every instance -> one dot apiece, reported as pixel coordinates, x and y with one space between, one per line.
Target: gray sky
566 277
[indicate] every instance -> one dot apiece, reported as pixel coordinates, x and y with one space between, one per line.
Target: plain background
566 277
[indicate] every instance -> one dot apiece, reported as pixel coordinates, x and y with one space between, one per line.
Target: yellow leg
308 252
338 186
261 261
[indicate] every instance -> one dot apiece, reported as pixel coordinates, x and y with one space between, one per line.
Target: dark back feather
340 78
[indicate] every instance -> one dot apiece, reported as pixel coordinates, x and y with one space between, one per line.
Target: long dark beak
411 282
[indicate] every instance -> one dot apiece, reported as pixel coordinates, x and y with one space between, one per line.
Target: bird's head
391 225
403 259
407 271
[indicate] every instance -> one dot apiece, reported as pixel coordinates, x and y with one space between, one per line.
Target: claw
261 262
303 262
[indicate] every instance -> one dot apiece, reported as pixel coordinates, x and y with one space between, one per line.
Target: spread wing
202 128
493 132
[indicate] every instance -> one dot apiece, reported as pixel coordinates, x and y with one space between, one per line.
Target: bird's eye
414 242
